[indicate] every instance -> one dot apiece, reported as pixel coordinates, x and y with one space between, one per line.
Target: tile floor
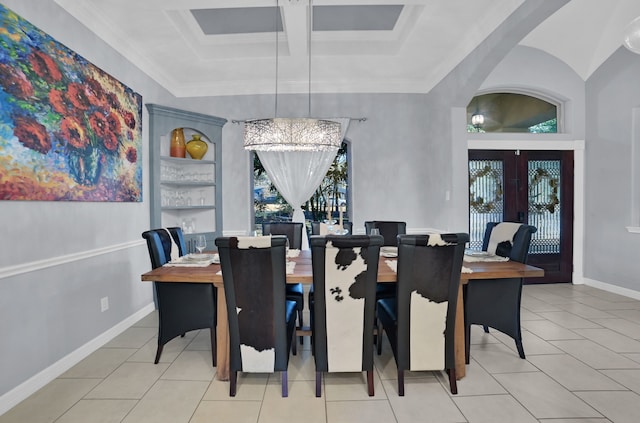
582 366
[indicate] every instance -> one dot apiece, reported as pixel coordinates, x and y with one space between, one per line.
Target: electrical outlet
104 304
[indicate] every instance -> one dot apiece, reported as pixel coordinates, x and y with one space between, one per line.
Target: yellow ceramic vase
196 147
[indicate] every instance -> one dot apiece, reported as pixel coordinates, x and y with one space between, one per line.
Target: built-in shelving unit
185 192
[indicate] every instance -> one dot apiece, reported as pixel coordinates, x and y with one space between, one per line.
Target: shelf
188 207
188 183
185 161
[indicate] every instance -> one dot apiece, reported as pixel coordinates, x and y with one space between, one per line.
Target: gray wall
60 258
611 253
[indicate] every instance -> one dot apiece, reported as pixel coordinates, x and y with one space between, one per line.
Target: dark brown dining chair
345 270
420 321
182 306
388 229
495 303
261 319
294 232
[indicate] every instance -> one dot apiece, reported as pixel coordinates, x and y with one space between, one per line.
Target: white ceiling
429 39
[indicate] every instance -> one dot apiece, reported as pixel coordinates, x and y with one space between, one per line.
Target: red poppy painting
68 130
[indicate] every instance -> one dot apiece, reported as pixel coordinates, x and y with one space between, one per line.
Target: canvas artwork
68 130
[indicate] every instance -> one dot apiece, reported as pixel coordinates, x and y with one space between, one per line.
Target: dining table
302 273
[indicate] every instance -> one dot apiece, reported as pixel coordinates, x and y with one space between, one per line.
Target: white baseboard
30 386
612 288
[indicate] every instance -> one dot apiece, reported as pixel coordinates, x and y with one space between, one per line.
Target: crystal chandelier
292 134
632 36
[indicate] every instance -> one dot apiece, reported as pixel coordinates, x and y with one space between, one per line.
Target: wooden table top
303 272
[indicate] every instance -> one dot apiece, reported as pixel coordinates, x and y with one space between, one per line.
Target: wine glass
375 231
201 243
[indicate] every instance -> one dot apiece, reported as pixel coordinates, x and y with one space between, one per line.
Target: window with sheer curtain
328 197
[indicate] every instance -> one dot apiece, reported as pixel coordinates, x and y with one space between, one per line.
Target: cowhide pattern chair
295 291
496 302
420 322
345 271
261 319
182 307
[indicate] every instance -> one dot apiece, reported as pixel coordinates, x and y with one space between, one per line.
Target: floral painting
68 130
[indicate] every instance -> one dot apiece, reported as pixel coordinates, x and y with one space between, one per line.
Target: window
332 194
512 113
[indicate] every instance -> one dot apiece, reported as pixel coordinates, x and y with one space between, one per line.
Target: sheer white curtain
297 174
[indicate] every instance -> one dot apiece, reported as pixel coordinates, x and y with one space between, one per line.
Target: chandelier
632 36
292 134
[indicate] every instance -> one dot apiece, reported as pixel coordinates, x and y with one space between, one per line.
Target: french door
532 187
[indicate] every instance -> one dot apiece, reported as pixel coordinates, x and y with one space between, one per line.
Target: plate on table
201 257
389 252
476 253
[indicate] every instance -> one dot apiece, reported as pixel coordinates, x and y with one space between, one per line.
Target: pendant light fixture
292 134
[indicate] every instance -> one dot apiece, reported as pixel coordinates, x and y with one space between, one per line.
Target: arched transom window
511 112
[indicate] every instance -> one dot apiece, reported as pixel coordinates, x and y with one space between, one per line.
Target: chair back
160 242
293 231
345 273
428 282
315 228
508 239
388 229
254 277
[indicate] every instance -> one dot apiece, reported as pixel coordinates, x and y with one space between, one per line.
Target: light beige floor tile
191 365
536 306
478 382
603 304
611 340
250 387
629 378
201 340
529 315
50 402
595 355
168 401
492 409
569 320
543 397
301 366
148 321
634 357
619 407
592 420
622 326
300 405
133 337
423 400
532 343
360 412
631 315
498 358
129 381
98 411
585 311
548 330
573 374
100 364
350 387
170 351
227 411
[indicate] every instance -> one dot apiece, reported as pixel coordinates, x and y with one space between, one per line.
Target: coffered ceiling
228 47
